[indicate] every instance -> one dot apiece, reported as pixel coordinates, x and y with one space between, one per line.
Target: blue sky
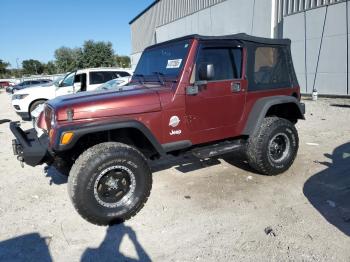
35 28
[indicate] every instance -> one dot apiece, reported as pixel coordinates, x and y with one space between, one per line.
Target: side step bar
218 149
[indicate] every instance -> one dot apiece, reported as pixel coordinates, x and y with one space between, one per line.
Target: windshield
58 80
165 60
68 80
110 85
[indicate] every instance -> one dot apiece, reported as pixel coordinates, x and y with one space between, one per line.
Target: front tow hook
21 160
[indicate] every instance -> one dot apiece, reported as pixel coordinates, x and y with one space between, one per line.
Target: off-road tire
258 153
35 105
90 166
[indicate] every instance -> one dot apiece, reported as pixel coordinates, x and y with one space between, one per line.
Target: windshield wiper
141 78
160 77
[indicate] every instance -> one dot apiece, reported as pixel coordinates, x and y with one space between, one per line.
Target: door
217 107
80 83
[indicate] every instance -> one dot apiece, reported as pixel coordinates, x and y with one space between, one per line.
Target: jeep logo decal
175 132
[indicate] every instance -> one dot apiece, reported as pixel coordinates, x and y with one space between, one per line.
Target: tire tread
255 148
86 159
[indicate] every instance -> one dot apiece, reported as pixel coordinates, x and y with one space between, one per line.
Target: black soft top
242 37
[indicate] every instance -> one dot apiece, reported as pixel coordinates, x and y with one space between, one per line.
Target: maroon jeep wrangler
204 95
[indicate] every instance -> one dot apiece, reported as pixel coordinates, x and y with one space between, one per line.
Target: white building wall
252 17
303 21
307 30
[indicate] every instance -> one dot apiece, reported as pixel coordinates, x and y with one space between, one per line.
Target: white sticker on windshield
174 63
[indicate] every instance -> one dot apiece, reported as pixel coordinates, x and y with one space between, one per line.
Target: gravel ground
217 210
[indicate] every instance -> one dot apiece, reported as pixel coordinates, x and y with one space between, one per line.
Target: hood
97 104
28 90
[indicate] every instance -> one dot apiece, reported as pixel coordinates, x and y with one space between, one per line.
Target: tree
97 54
3 68
14 72
32 67
68 59
50 68
122 61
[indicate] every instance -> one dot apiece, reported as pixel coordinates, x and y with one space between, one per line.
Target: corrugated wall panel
289 7
165 11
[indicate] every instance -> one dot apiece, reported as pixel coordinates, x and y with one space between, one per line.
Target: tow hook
21 160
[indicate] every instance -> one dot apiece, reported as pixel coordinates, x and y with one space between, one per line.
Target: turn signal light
66 138
51 134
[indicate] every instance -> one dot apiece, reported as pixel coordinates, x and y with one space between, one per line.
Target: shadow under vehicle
329 190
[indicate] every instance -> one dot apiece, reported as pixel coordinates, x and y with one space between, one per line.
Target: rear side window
270 68
227 62
102 77
25 83
122 74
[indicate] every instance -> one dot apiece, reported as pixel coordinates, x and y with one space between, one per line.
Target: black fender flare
262 105
94 127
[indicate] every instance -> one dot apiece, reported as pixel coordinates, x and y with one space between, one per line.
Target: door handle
192 90
235 87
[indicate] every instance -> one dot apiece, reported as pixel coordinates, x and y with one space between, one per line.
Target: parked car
30 84
5 84
25 84
118 84
26 100
197 94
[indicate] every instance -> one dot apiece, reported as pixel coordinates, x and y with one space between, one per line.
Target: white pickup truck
27 100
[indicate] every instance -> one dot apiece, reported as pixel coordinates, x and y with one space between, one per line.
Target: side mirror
206 72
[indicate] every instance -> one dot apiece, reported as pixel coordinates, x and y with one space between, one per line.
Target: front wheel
109 183
35 105
273 148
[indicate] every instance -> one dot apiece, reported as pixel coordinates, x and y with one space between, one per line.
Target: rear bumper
28 147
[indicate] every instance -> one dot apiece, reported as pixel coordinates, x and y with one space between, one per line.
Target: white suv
26 100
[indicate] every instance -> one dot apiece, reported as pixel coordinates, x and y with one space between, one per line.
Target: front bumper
24 115
28 147
18 106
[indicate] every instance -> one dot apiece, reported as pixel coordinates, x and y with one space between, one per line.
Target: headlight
50 116
53 119
19 96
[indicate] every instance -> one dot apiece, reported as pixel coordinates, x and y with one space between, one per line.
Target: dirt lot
215 210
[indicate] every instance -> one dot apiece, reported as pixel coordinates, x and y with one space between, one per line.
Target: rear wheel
109 183
273 148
